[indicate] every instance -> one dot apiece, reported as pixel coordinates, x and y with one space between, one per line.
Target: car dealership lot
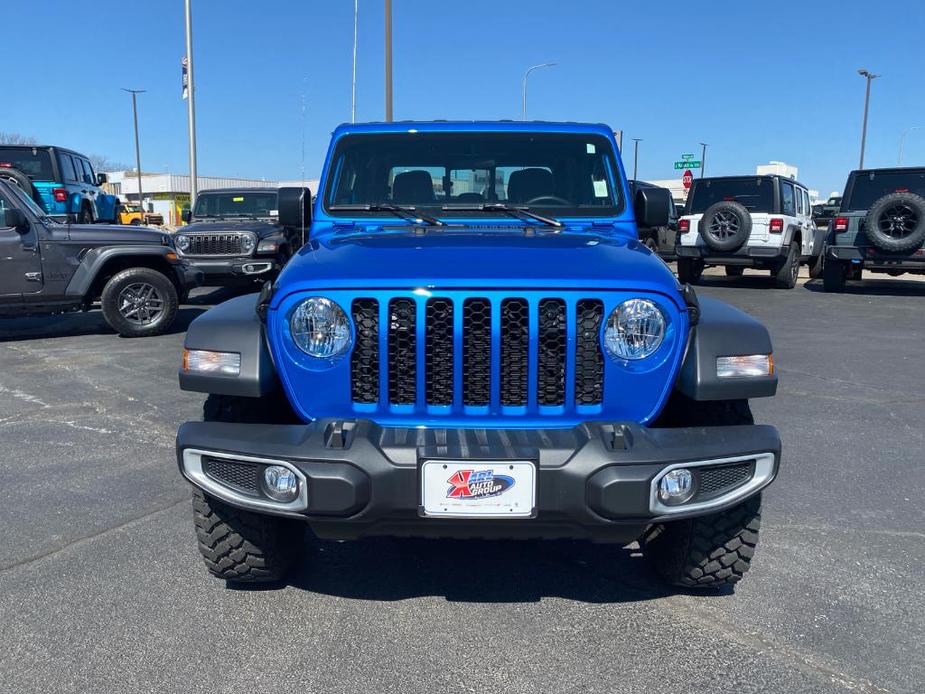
103 589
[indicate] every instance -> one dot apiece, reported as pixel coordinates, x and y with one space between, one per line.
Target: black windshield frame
362 167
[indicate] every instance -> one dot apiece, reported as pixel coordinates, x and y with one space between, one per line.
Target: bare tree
101 162
16 139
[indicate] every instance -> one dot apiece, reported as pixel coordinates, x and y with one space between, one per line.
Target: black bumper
873 258
594 481
230 270
747 256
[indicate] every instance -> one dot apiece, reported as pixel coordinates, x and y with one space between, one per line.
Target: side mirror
186 215
651 207
101 178
15 219
295 207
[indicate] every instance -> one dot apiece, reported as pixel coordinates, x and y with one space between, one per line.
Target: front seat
412 187
526 184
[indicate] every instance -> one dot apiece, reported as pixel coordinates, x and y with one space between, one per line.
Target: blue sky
756 80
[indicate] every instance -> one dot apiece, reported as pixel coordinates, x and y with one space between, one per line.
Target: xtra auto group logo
477 484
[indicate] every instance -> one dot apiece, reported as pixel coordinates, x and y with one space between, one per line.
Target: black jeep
47 268
660 239
880 226
234 236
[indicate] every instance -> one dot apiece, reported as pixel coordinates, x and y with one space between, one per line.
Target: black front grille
476 352
719 479
551 353
364 362
402 352
589 361
438 355
216 244
237 474
515 351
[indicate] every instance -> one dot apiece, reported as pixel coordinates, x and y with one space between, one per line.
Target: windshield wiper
407 213
522 213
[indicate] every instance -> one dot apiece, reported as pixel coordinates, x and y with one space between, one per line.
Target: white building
777 168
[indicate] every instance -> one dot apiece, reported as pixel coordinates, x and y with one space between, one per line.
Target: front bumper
594 481
747 256
873 258
189 276
235 269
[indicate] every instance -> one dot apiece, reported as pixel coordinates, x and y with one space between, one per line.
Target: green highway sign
689 164
687 157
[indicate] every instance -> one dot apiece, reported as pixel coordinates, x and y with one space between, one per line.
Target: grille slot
239 475
216 244
515 346
476 351
364 362
589 361
438 354
716 480
551 353
402 352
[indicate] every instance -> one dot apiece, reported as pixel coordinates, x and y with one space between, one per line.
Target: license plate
485 489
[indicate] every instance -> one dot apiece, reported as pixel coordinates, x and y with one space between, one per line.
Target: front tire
689 270
139 302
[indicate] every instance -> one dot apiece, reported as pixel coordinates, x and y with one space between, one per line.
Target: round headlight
182 242
634 330
320 328
247 243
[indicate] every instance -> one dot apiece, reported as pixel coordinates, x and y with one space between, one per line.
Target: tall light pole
191 107
388 61
135 93
636 141
902 140
703 158
870 77
353 90
524 88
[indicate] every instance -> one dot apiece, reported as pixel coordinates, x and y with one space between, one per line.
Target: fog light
280 483
676 487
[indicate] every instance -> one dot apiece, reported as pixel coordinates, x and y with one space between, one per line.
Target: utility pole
388 61
135 93
523 94
353 90
636 141
870 77
902 140
703 158
191 107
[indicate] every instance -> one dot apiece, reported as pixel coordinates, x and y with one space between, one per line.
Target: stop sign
687 179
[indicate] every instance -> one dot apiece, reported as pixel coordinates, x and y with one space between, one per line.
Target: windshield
32 161
757 194
26 201
868 187
557 174
240 204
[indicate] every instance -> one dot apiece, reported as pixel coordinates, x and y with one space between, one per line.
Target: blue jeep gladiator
61 181
474 343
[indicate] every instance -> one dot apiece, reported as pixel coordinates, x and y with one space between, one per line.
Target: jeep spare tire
896 222
20 180
726 226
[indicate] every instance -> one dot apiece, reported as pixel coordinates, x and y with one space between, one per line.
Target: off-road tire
689 270
22 181
726 240
709 551
734 271
909 235
785 276
834 275
109 302
241 546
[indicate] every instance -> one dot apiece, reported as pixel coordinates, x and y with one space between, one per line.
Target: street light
353 90
636 141
191 108
524 90
703 158
902 140
870 77
388 61
135 93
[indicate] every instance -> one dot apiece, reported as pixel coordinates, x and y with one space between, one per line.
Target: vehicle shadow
875 286
496 571
78 324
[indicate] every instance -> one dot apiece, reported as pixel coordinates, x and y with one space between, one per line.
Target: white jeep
749 221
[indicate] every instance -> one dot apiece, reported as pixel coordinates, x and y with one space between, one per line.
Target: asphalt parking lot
102 589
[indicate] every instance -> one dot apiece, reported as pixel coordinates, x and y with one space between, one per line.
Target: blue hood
498 258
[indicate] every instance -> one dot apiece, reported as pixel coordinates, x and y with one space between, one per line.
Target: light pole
703 158
524 89
388 61
870 77
902 140
636 141
353 91
191 108
135 93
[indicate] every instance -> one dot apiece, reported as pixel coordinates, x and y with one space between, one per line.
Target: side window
806 207
799 201
67 167
88 173
787 202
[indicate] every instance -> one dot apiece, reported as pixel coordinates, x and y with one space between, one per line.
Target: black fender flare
95 260
232 326
724 331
